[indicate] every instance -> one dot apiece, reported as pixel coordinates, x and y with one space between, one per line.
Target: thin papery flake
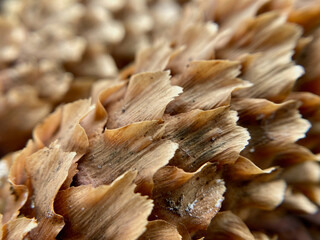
137 146
48 169
272 79
206 85
252 195
244 169
64 125
100 213
226 225
271 126
197 40
266 33
230 18
154 58
205 136
146 98
192 201
18 228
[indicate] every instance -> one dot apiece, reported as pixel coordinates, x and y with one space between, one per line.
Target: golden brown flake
106 212
48 169
18 228
193 201
205 136
143 89
227 225
137 146
160 230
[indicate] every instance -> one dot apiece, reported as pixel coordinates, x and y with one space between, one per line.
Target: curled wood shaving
272 78
64 126
45 130
137 146
18 179
265 122
205 136
267 32
106 212
103 93
182 203
253 195
206 85
71 135
154 58
226 225
230 18
144 89
198 40
244 169
18 228
14 196
47 168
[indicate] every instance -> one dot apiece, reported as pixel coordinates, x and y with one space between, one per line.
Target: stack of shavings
52 52
211 132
